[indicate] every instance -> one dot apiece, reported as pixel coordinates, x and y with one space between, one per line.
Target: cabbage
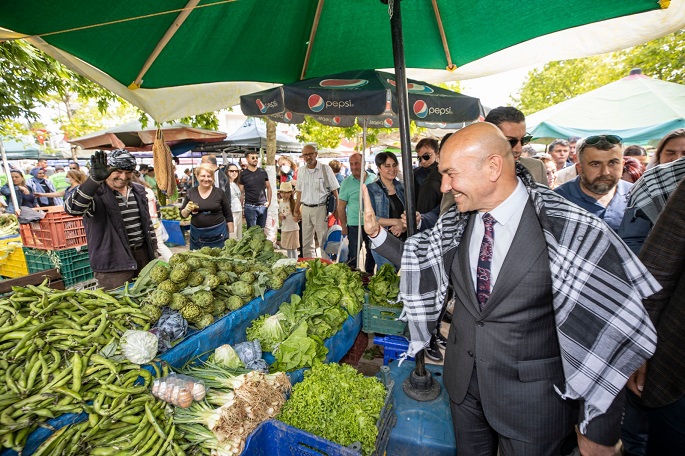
268 330
139 347
226 356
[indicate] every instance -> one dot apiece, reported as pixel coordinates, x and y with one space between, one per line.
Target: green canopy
637 108
17 150
195 56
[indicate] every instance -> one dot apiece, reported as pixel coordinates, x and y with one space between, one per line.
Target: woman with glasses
387 199
44 189
233 172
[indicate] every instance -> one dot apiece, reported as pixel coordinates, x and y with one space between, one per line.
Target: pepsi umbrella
341 98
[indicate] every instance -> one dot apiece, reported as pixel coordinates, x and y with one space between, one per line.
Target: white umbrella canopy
637 108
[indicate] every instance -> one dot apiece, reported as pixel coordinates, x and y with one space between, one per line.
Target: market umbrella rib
312 35
450 65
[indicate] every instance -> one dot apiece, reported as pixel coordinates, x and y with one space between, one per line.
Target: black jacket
108 246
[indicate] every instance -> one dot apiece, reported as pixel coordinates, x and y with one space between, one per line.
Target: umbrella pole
10 184
419 385
362 179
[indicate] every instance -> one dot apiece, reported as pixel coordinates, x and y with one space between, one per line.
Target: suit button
470 353
480 323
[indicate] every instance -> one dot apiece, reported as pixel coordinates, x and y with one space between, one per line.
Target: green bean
76 372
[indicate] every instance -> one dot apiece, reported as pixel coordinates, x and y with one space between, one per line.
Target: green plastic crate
382 320
73 264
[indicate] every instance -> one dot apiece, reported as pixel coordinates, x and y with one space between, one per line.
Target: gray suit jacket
512 343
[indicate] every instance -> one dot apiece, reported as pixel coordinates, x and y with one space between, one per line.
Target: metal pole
420 384
362 179
13 195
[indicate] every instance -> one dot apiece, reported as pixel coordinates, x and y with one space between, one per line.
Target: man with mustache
599 189
121 239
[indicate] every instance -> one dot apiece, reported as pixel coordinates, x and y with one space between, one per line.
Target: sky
496 90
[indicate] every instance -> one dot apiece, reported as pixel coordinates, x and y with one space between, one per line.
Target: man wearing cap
121 240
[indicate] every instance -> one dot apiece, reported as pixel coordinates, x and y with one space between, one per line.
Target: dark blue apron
211 236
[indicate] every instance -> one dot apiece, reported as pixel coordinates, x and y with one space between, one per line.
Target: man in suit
661 381
516 374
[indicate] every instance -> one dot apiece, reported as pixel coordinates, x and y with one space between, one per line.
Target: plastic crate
14 265
73 264
393 347
173 228
57 231
382 320
275 438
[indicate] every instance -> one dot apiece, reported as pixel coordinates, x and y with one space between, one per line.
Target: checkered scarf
650 192
598 285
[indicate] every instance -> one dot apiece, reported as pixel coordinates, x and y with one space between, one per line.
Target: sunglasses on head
525 140
611 139
425 157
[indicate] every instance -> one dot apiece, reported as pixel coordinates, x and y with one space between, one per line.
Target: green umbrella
188 61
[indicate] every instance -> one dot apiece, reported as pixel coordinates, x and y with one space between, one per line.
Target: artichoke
152 312
205 250
219 308
178 301
194 263
177 259
180 272
242 289
239 268
225 266
195 279
223 277
212 281
191 312
204 321
203 299
168 286
211 267
160 298
216 252
159 273
275 282
247 277
234 303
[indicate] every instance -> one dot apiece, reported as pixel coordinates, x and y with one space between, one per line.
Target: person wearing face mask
121 239
287 170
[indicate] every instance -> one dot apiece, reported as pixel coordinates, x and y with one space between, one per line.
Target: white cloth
315 184
508 216
313 223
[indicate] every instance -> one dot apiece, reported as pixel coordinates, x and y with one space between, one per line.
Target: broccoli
180 272
168 286
234 303
160 298
247 277
191 312
212 281
203 299
204 321
159 273
151 311
178 301
195 279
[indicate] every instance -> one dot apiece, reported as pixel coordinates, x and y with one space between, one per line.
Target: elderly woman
44 189
670 148
23 192
387 199
210 210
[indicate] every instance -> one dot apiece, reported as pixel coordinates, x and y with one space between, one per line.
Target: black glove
99 171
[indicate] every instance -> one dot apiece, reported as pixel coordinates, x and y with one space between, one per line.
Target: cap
121 159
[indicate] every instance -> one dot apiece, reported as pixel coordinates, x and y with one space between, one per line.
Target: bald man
522 362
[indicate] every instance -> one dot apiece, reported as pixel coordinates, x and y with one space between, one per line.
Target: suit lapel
522 255
462 271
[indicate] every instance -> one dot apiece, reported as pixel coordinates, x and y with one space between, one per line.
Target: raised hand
371 226
99 171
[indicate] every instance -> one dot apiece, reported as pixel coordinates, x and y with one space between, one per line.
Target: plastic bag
258 365
249 351
139 347
179 389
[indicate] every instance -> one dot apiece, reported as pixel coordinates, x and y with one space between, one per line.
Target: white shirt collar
510 206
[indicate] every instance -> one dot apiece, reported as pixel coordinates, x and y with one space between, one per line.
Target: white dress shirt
508 216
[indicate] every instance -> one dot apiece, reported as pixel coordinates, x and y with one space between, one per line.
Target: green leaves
384 287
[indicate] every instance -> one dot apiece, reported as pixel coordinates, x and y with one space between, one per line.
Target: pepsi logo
336 120
316 103
261 106
387 123
420 109
288 116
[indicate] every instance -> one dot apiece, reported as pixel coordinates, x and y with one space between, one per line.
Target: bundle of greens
299 350
335 284
337 403
384 287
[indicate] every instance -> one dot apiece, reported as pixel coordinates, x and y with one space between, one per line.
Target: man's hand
344 230
371 225
99 171
589 448
266 205
636 382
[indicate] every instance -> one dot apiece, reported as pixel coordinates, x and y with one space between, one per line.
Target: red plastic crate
57 231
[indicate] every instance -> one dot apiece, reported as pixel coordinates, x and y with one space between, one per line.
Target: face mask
285 169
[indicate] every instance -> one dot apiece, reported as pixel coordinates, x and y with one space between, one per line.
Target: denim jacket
379 199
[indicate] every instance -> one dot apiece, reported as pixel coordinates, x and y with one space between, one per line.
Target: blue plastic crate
393 347
173 227
275 438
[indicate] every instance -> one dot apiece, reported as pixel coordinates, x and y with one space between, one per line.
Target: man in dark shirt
121 239
253 182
